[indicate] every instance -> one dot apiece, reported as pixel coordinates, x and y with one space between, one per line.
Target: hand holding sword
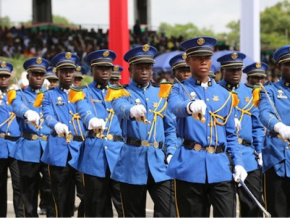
138 111
198 109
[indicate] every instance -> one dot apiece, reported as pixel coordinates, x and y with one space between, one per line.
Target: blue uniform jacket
96 154
57 108
276 153
29 150
251 128
134 163
200 166
8 126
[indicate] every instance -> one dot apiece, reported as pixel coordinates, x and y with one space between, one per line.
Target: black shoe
42 211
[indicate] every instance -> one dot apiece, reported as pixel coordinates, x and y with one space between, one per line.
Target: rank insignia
59 101
281 94
215 98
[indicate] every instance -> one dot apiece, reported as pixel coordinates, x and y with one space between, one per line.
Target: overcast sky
214 14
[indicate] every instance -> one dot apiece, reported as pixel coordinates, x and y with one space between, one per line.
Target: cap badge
3 64
38 60
258 64
116 68
68 55
78 68
106 53
200 41
234 56
184 56
54 70
146 47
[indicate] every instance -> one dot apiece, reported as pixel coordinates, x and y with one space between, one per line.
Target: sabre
274 108
199 115
267 214
141 118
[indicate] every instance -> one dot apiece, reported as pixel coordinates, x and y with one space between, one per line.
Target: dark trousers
99 194
30 177
134 198
46 200
12 164
63 183
248 207
192 199
277 194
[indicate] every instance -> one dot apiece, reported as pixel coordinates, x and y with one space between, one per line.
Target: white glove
61 128
32 116
283 130
196 107
240 173
237 125
168 159
138 111
96 123
260 159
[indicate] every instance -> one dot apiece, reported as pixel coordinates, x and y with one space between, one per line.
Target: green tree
62 20
5 21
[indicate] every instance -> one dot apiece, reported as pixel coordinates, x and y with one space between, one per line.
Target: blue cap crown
5 68
50 73
65 60
103 57
117 69
36 64
141 54
199 46
256 69
282 54
178 61
232 60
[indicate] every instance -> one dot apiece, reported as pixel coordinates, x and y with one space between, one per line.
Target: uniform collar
99 86
134 84
249 85
29 88
229 86
198 82
63 89
286 83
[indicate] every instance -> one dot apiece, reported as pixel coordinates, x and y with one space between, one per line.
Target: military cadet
66 137
51 77
9 134
98 155
274 114
34 135
250 131
201 166
180 69
149 131
256 74
212 71
116 75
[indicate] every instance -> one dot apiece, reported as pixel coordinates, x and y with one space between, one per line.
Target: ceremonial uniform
250 135
276 152
202 167
9 134
33 141
97 156
61 147
141 164
116 75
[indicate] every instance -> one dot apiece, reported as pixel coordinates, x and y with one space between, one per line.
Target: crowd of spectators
47 43
34 41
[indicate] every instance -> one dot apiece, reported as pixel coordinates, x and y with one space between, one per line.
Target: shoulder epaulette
235 100
256 95
115 92
165 89
75 94
38 100
11 95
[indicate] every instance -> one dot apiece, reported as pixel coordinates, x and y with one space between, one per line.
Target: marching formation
192 144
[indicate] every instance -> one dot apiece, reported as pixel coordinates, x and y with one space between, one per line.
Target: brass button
69 121
106 147
8 133
68 101
41 134
147 99
208 124
287 147
207 99
208 137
